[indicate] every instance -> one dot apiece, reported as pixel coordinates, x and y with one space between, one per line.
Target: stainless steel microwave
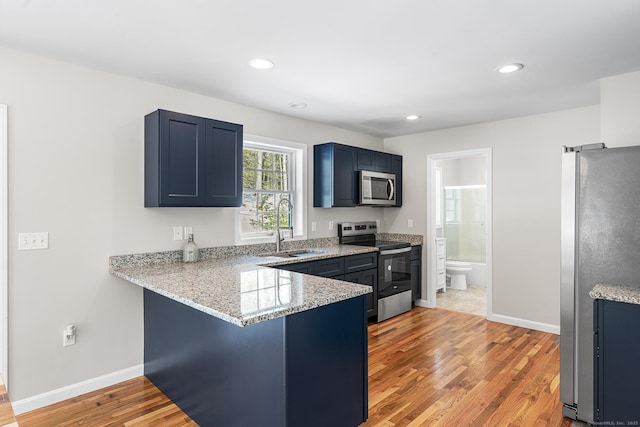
377 188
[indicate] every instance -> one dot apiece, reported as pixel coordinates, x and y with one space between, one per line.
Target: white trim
422 303
73 390
431 226
4 249
524 323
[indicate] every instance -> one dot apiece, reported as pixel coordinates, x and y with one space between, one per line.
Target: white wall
76 171
526 200
464 171
620 101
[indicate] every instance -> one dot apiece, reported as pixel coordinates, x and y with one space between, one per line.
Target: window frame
298 183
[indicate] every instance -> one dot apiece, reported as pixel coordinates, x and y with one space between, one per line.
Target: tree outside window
266 180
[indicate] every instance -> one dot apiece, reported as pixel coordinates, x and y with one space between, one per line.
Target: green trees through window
266 180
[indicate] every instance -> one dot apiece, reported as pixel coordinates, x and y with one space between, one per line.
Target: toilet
457 271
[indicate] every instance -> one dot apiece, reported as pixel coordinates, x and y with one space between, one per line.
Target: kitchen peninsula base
304 369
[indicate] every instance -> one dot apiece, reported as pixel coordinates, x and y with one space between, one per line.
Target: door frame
486 153
4 249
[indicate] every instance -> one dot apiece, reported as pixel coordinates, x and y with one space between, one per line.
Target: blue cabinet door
367 277
396 168
616 355
416 272
371 160
223 171
334 176
174 155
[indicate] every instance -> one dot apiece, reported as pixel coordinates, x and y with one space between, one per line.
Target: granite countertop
237 283
240 289
617 293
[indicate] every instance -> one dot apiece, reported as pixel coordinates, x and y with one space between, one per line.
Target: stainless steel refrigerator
600 244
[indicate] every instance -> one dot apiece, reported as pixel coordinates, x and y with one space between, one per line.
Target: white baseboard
523 323
54 396
423 303
513 321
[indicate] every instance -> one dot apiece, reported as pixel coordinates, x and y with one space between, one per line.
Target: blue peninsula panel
305 369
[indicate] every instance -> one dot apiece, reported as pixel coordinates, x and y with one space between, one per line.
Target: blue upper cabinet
192 161
334 175
370 160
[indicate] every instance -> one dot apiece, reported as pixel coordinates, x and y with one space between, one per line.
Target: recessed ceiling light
298 105
261 63
412 117
510 68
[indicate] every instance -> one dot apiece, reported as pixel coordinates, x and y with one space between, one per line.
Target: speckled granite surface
617 293
217 252
240 289
414 239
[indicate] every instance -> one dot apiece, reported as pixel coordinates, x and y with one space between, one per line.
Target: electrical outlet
410 223
178 232
69 335
187 231
330 225
313 226
31 241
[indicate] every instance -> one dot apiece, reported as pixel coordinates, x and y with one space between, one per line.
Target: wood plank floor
428 367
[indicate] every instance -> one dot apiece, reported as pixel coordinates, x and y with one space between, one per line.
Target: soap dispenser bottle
190 253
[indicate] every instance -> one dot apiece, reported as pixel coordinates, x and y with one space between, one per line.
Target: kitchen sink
299 253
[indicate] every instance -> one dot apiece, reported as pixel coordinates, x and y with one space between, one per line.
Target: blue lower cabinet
416 272
367 277
616 355
300 267
361 269
306 369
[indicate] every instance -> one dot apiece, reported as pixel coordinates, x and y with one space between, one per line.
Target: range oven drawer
395 304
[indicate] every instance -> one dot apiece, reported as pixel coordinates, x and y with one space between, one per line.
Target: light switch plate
31 241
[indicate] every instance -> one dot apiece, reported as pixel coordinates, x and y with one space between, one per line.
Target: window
272 171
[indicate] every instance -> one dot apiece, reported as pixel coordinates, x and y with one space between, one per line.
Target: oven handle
396 251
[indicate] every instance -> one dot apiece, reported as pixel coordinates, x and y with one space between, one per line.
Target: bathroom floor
473 300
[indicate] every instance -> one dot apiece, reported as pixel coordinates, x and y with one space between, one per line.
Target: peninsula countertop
240 289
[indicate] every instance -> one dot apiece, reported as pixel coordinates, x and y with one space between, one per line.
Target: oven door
394 272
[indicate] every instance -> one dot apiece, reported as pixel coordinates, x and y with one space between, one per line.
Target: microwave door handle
392 190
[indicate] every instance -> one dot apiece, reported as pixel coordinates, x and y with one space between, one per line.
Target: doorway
459 200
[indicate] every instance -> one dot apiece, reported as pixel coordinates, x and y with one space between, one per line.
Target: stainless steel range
394 267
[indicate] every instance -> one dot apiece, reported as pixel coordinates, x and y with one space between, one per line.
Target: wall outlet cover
32 241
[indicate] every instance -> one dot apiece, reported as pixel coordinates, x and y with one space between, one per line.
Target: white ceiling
358 64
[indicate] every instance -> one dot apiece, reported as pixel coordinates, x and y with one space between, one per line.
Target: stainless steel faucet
277 226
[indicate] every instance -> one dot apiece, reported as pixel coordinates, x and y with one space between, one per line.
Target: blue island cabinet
302 370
